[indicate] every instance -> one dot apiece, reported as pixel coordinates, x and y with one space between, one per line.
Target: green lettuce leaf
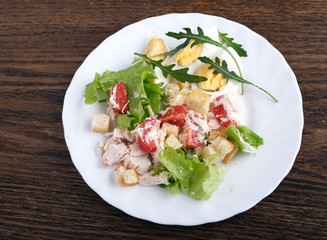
125 121
154 93
205 180
197 179
176 162
242 135
91 90
250 137
141 91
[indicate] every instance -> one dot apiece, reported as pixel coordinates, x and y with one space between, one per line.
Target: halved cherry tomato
220 113
148 134
118 98
175 115
194 136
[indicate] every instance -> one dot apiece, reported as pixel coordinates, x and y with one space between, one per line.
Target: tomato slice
148 134
220 112
175 115
194 137
118 98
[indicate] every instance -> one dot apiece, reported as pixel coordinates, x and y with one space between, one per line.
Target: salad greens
197 179
243 134
194 176
142 91
229 42
228 74
92 89
179 74
201 38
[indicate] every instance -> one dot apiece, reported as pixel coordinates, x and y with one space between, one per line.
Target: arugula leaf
198 38
201 38
175 50
246 139
179 74
228 74
229 42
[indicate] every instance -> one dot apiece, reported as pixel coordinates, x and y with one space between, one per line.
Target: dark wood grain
42 196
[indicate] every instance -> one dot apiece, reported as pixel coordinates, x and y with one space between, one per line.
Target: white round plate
249 179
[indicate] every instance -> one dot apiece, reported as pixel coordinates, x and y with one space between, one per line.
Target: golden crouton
223 146
230 155
184 86
173 142
214 133
225 149
125 177
198 101
155 47
169 129
100 123
189 54
172 89
198 150
208 150
205 151
131 177
119 175
174 95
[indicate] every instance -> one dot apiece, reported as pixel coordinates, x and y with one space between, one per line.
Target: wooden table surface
42 195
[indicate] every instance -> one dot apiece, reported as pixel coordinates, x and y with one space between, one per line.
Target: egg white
211 52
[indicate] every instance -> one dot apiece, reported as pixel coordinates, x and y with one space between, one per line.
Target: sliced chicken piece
136 150
149 180
109 134
114 152
99 149
140 163
129 137
119 135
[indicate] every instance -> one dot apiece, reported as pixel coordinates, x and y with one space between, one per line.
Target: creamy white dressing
248 147
231 106
125 106
112 98
152 132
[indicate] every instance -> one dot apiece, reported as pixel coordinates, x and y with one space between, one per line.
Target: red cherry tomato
220 113
118 98
148 134
194 137
175 115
